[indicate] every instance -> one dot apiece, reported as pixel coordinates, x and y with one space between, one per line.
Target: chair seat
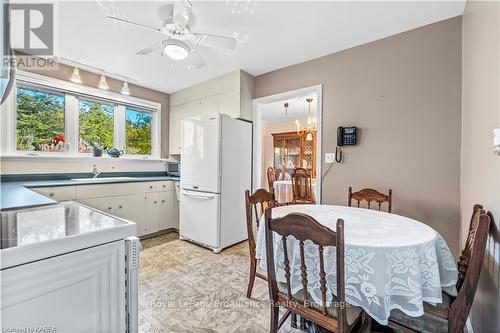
352 312
425 323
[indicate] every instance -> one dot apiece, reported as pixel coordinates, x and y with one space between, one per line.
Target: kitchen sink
103 179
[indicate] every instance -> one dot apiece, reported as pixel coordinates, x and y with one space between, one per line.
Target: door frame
257 131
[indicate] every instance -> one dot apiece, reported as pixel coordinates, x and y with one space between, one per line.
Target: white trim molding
257 131
78 89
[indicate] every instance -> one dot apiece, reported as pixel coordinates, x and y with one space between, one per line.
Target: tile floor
187 288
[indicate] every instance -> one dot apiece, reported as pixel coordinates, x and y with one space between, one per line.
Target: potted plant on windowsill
97 149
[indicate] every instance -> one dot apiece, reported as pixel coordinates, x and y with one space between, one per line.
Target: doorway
287 135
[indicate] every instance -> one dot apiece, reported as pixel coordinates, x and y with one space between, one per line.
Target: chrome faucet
97 172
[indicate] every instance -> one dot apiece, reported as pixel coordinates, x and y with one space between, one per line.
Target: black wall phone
346 136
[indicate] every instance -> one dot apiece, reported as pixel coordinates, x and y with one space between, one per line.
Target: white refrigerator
216 154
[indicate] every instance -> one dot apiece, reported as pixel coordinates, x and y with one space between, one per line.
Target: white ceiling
270 35
297 109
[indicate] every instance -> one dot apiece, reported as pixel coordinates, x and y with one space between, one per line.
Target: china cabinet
291 151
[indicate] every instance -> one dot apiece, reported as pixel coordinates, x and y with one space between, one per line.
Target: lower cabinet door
106 204
133 208
167 216
152 212
82 291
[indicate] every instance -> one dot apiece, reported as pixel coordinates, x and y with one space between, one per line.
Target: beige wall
403 92
268 129
480 180
64 72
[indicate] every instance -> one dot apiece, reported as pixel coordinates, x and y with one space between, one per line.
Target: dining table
283 190
391 261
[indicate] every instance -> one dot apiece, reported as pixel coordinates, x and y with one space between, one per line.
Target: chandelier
310 128
286 109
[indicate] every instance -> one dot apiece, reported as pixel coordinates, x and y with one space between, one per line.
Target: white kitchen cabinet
152 212
150 187
165 186
108 190
82 291
209 106
132 208
106 204
230 94
167 212
177 114
58 193
151 205
229 103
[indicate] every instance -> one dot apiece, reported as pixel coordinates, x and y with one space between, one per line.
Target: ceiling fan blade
218 42
195 59
181 13
134 23
152 47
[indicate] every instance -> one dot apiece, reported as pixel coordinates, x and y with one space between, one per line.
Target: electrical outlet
329 157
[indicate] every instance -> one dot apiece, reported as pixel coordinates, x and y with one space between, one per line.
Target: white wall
36 165
480 171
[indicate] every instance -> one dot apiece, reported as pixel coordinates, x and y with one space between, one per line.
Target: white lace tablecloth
392 262
283 191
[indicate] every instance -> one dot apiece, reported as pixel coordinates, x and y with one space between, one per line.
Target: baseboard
468 326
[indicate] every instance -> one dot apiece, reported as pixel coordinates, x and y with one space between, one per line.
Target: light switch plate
329 157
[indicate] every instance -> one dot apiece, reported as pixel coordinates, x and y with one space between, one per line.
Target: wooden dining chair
271 177
450 315
302 187
336 317
256 204
370 195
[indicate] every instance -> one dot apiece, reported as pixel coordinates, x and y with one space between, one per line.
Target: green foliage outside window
138 132
40 124
96 126
39 120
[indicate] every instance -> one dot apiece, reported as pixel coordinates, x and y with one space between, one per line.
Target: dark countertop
17 194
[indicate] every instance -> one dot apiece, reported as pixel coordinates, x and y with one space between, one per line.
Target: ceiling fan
180 42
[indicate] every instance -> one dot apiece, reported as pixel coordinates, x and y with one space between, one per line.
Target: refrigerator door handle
206 196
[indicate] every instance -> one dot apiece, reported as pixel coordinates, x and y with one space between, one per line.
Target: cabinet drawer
59 193
150 187
165 186
108 190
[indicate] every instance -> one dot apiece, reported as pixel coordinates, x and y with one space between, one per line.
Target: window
47 117
137 132
96 126
39 120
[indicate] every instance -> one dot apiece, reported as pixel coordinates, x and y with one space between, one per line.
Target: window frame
32 87
100 101
72 94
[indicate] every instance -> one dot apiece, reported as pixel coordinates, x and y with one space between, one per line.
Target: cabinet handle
120 206
155 202
109 208
163 201
51 194
151 187
164 185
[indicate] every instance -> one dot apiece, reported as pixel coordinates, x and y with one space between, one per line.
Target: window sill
64 157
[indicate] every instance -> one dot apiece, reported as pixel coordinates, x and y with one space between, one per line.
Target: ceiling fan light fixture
176 49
